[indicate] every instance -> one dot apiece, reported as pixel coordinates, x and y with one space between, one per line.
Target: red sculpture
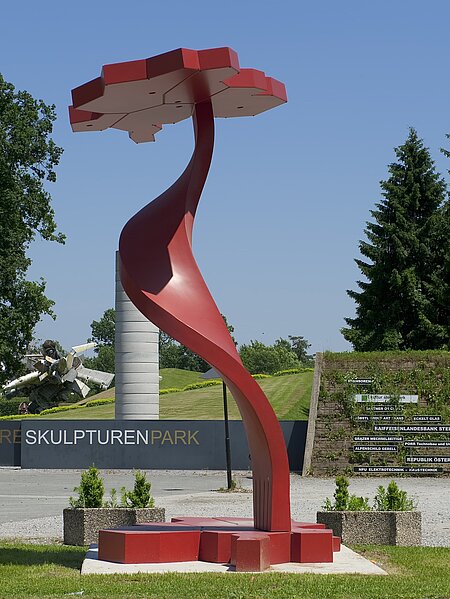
161 277
157 267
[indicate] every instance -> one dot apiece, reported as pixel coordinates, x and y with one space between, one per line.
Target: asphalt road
26 494
31 500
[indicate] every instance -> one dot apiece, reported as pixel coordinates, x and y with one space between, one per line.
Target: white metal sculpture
54 377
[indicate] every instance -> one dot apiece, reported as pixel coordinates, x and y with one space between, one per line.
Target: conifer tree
402 303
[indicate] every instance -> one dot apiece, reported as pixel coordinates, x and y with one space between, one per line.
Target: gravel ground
187 493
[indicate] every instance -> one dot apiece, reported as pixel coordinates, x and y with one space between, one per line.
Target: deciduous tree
267 359
28 157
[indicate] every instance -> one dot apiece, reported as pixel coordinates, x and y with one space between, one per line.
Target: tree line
256 356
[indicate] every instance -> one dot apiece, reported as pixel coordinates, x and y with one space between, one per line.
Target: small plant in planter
140 496
344 501
393 499
91 490
391 521
89 513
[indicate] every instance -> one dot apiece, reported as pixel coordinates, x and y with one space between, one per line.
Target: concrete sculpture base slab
218 540
345 562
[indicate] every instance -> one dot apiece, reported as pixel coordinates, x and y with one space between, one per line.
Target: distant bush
10 407
267 359
261 376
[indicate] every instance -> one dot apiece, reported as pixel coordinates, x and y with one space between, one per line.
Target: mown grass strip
53 571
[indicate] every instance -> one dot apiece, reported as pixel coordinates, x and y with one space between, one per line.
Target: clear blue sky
289 191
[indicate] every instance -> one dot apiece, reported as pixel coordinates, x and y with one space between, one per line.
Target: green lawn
53 571
175 377
170 378
289 395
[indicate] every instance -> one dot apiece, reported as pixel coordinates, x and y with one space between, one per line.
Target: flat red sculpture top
141 95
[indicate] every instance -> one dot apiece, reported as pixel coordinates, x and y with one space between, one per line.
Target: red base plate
218 540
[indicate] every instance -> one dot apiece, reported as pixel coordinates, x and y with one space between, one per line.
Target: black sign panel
10 443
427 443
388 418
434 459
378 439
151 444
396 469
413 428
385 448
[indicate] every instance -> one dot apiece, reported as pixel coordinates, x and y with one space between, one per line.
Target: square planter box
375 528
81 525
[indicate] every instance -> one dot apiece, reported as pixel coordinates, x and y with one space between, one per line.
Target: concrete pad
346 561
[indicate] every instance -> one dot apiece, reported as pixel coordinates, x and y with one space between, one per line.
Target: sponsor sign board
389 418
375 448
434 459
397 469
378 439
412 428
427 443
392 399
386 408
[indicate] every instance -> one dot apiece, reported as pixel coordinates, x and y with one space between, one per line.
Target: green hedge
211 383
170 390
377 356
293 371
18 417
55 410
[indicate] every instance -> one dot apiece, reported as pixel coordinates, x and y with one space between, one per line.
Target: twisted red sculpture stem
160 276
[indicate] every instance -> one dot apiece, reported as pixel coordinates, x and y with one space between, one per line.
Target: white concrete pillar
137 360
